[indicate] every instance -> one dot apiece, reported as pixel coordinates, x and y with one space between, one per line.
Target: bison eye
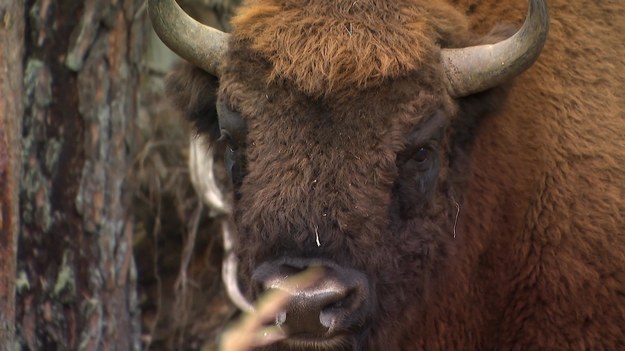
233 127
418 171
234 160
227 138
420 158
422 155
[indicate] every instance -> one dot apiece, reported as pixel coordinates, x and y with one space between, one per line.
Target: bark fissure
78 287
11 109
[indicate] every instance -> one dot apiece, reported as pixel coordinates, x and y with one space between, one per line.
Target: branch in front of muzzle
258 328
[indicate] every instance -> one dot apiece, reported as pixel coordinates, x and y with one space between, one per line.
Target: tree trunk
76 275
11 109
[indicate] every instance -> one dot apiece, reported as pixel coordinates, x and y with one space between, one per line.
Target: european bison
385 143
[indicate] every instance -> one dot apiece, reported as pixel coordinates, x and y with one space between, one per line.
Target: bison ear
194 92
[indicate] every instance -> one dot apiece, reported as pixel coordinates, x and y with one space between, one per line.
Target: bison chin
339 343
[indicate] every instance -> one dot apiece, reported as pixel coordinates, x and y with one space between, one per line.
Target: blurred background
104 239
177 241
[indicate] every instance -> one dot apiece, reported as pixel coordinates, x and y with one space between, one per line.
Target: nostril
333 303
281 318
314 311
344 303
291 270
340 310
328 319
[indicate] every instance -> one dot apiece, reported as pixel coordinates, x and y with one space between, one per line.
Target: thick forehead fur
324 46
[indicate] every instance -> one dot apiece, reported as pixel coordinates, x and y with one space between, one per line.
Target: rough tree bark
11 109
76 276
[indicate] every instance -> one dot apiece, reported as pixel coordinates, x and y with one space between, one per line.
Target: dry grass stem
253 330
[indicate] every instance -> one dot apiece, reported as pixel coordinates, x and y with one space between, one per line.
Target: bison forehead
318 159
330 46
312 166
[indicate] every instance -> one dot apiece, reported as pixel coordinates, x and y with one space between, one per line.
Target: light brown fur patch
328 46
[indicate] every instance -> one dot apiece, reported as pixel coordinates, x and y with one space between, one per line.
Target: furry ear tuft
194 92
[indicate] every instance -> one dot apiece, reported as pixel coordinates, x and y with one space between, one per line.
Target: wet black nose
335 302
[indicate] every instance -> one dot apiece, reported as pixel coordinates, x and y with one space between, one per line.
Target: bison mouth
304 304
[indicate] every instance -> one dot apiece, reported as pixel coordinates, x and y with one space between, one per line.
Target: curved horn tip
478 68
197 43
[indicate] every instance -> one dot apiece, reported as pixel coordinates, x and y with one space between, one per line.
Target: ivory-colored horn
197 43
477 68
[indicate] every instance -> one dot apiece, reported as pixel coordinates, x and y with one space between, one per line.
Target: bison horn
197 43
477 68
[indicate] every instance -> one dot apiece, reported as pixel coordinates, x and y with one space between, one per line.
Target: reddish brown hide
495 221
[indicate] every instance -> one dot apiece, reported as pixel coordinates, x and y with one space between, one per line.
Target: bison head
345 125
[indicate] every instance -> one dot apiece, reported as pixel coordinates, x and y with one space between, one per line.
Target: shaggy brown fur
335 94
342 47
